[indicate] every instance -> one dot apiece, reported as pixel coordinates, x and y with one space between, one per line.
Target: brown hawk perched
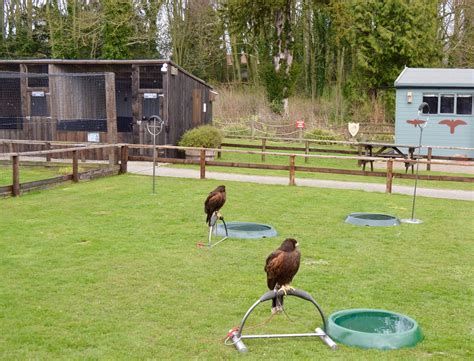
281 266
214 202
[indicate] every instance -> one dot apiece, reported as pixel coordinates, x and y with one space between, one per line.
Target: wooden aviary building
100 100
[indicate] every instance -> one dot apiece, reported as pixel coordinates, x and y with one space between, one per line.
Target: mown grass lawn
29 171
105 270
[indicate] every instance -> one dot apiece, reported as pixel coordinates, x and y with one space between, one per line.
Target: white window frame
456 95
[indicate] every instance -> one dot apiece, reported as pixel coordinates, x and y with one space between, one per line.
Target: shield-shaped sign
353 128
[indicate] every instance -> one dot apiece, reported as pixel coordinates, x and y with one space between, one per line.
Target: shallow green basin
246 230
368 328
372 219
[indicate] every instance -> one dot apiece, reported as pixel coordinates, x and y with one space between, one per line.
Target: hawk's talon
277 309
285 289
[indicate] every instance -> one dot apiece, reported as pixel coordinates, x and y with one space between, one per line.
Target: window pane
447 104
151 77
464 104
39 105
432 101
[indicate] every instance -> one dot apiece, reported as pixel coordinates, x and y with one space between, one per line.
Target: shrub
321 134
205 136
237 129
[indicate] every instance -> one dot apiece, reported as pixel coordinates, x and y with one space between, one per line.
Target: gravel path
146 168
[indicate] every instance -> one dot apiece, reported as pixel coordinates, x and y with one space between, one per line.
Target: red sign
300 124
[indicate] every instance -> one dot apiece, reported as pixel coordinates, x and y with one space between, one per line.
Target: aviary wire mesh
39 104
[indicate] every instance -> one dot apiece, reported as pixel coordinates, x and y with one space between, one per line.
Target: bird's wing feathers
210 200
273 267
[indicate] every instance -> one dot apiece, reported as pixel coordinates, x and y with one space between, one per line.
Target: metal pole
156 131
416 176
154 152
412 220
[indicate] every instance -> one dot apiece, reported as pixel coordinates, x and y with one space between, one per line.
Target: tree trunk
284 54
236 65
29 19
2 19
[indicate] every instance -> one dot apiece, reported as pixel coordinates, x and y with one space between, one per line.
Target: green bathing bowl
369 328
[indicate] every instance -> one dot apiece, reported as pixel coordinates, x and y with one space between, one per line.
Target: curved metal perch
237 335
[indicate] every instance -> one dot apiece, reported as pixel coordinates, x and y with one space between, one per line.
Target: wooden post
16 176
111 112
306 151
292 170
264 147
202 163
136 109
219 154
75 167
48 147
25 105
388 188
123 159
430 153
359 152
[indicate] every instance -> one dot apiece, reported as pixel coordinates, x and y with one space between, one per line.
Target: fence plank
292 170
306 151
75 167
123 159
429 156
388 188
16 175
111 111
202 162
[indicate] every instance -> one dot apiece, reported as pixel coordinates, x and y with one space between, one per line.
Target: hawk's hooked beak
297 244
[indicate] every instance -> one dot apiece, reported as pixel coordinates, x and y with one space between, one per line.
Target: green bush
205 136
321 134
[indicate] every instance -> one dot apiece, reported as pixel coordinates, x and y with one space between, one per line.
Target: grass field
105 270
29 171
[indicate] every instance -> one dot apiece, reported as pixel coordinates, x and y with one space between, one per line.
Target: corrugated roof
102 62
435 77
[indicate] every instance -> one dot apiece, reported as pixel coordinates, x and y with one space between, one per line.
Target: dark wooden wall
179 102
186 97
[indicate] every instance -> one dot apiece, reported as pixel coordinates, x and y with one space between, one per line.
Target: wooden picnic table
387 150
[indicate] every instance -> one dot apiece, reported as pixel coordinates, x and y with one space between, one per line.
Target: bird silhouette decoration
416 122
452 124
281 266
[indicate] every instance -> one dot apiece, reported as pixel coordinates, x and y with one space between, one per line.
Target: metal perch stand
154 130
236 335
422 126
213 227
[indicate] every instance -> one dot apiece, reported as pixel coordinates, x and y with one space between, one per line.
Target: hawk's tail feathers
277 302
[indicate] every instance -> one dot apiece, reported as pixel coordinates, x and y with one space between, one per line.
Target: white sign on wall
150 95
37 94
93 137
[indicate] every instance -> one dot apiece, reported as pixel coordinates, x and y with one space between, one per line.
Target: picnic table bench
386 150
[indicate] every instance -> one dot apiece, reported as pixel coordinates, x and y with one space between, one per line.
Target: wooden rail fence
293 168
123 149
307 149
16 188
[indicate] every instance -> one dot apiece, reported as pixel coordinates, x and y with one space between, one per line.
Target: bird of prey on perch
281 266
214 202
